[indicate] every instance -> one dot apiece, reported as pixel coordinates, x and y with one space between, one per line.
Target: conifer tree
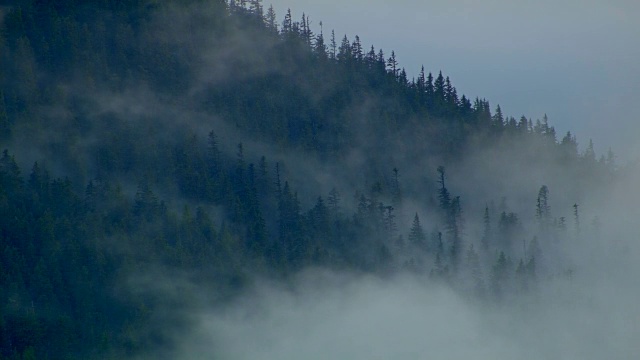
392 64
271 20
356 48
333 202
5 125
497 121
370 58
256 7
439 90
334 46
429 90
287 23
472 264
345 53
320 48
416 234
450 94
542 207
443 194
590 154
305 31
487 233
381 63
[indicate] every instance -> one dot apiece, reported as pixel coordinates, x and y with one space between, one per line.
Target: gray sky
576 61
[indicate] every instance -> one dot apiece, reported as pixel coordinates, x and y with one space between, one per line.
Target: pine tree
542 207
589 154
271 19
5 125
416 235
472 264
333 54
345 53
455 230
443 194
287 24
569 146
370 58
487 233
381 64
610 161
500 275
256 7
356 48
421 86
439 90
333 202
450 94
392 64
429 90
320 49
396 192
277 184
389 219
305 32
497 121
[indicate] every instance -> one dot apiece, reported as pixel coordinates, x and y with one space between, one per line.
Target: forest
148 144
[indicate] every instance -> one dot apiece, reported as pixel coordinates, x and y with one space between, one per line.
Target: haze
576 61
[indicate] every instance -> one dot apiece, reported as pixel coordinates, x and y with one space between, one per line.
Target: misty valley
206 179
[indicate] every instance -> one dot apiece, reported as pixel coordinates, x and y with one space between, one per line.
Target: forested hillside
218 142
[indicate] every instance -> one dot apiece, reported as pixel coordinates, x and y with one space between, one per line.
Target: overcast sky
576 61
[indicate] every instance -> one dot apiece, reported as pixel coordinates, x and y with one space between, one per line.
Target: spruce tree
416 235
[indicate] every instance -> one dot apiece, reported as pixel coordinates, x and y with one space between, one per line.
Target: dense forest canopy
152 148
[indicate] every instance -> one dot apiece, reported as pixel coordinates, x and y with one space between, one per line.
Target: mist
452 235
583 306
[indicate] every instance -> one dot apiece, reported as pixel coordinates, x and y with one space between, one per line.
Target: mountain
157 147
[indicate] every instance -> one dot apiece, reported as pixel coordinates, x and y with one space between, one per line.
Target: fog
328 315
573 60
583 306
589 312
582 303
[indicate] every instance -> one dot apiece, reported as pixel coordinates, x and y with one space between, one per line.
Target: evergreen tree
455 231
450 94
356 48
430 90
543 212
443 194
421 83
439 91
271 19
287 23
396 192
256 7
306 32
392 64
500 276
5 125
497 121
345 53
589 154
320 49
472 264
333 54
487 233
416 234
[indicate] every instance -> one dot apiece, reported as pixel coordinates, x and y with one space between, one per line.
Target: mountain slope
149 143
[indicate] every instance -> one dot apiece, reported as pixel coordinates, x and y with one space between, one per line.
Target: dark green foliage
115 195
416 234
